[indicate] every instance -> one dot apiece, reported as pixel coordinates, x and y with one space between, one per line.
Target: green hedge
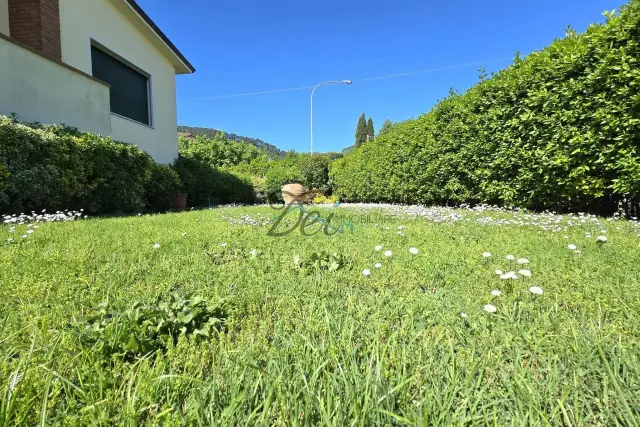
55 168
207 185
559 129
310 171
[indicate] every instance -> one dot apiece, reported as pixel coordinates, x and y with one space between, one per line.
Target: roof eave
182 65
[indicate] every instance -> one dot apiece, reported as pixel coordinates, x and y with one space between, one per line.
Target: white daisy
536 290
601 239
388 253
572 247
378 248
490 308
499 272
486 254
496 293
223 244
463 315
413 251
525 273
366 272
510 257
377 265
522 261
156 246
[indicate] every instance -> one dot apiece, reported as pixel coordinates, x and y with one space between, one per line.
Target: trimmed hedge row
55 168
559 129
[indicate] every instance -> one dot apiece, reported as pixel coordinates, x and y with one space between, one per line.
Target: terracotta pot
181 201
293 193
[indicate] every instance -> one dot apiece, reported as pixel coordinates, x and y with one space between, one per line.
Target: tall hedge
56 168
558 129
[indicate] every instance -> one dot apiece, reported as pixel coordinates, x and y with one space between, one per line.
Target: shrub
559 129
162 188
206 185
310 171
56 167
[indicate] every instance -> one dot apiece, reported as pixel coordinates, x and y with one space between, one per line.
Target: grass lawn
258 339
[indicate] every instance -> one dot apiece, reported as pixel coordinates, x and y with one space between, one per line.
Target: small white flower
378 248
377 265
490 308
525 273
578 252
413 251
601 239
156 246
388 253
401 228
587 235
463 315
536 290
486 254
499 272
366 272
386 228
496 293
510 257
36 226
223 244
522 261
24 236
29 231
572 247
400 233
509 276
254 253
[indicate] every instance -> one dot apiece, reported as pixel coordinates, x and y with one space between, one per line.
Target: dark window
129 88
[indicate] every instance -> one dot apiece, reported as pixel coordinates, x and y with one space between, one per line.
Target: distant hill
271 149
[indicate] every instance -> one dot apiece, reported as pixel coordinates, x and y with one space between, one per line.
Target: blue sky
244 46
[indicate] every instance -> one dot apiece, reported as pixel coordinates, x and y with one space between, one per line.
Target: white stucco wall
37 89
4 17
100 20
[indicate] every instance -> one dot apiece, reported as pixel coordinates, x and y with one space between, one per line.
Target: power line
430 70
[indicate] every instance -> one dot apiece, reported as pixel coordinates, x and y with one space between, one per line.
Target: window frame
93 43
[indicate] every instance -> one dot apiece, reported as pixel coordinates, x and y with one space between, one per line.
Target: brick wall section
36 23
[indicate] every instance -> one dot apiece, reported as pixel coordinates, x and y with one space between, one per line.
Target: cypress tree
370 131
361 131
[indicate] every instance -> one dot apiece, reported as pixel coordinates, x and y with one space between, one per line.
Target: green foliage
310 171
56 167
207 185
559 129
361 131
219 151
145 329
386 127
370 129
162 188
269 149
322 261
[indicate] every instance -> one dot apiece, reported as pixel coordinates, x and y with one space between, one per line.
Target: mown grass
307 347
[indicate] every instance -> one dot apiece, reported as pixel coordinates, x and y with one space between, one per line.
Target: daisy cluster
515 263
498 216
33 221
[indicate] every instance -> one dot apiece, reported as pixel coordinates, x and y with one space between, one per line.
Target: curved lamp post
335 82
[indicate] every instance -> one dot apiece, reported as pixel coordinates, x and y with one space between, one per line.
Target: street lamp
335 82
